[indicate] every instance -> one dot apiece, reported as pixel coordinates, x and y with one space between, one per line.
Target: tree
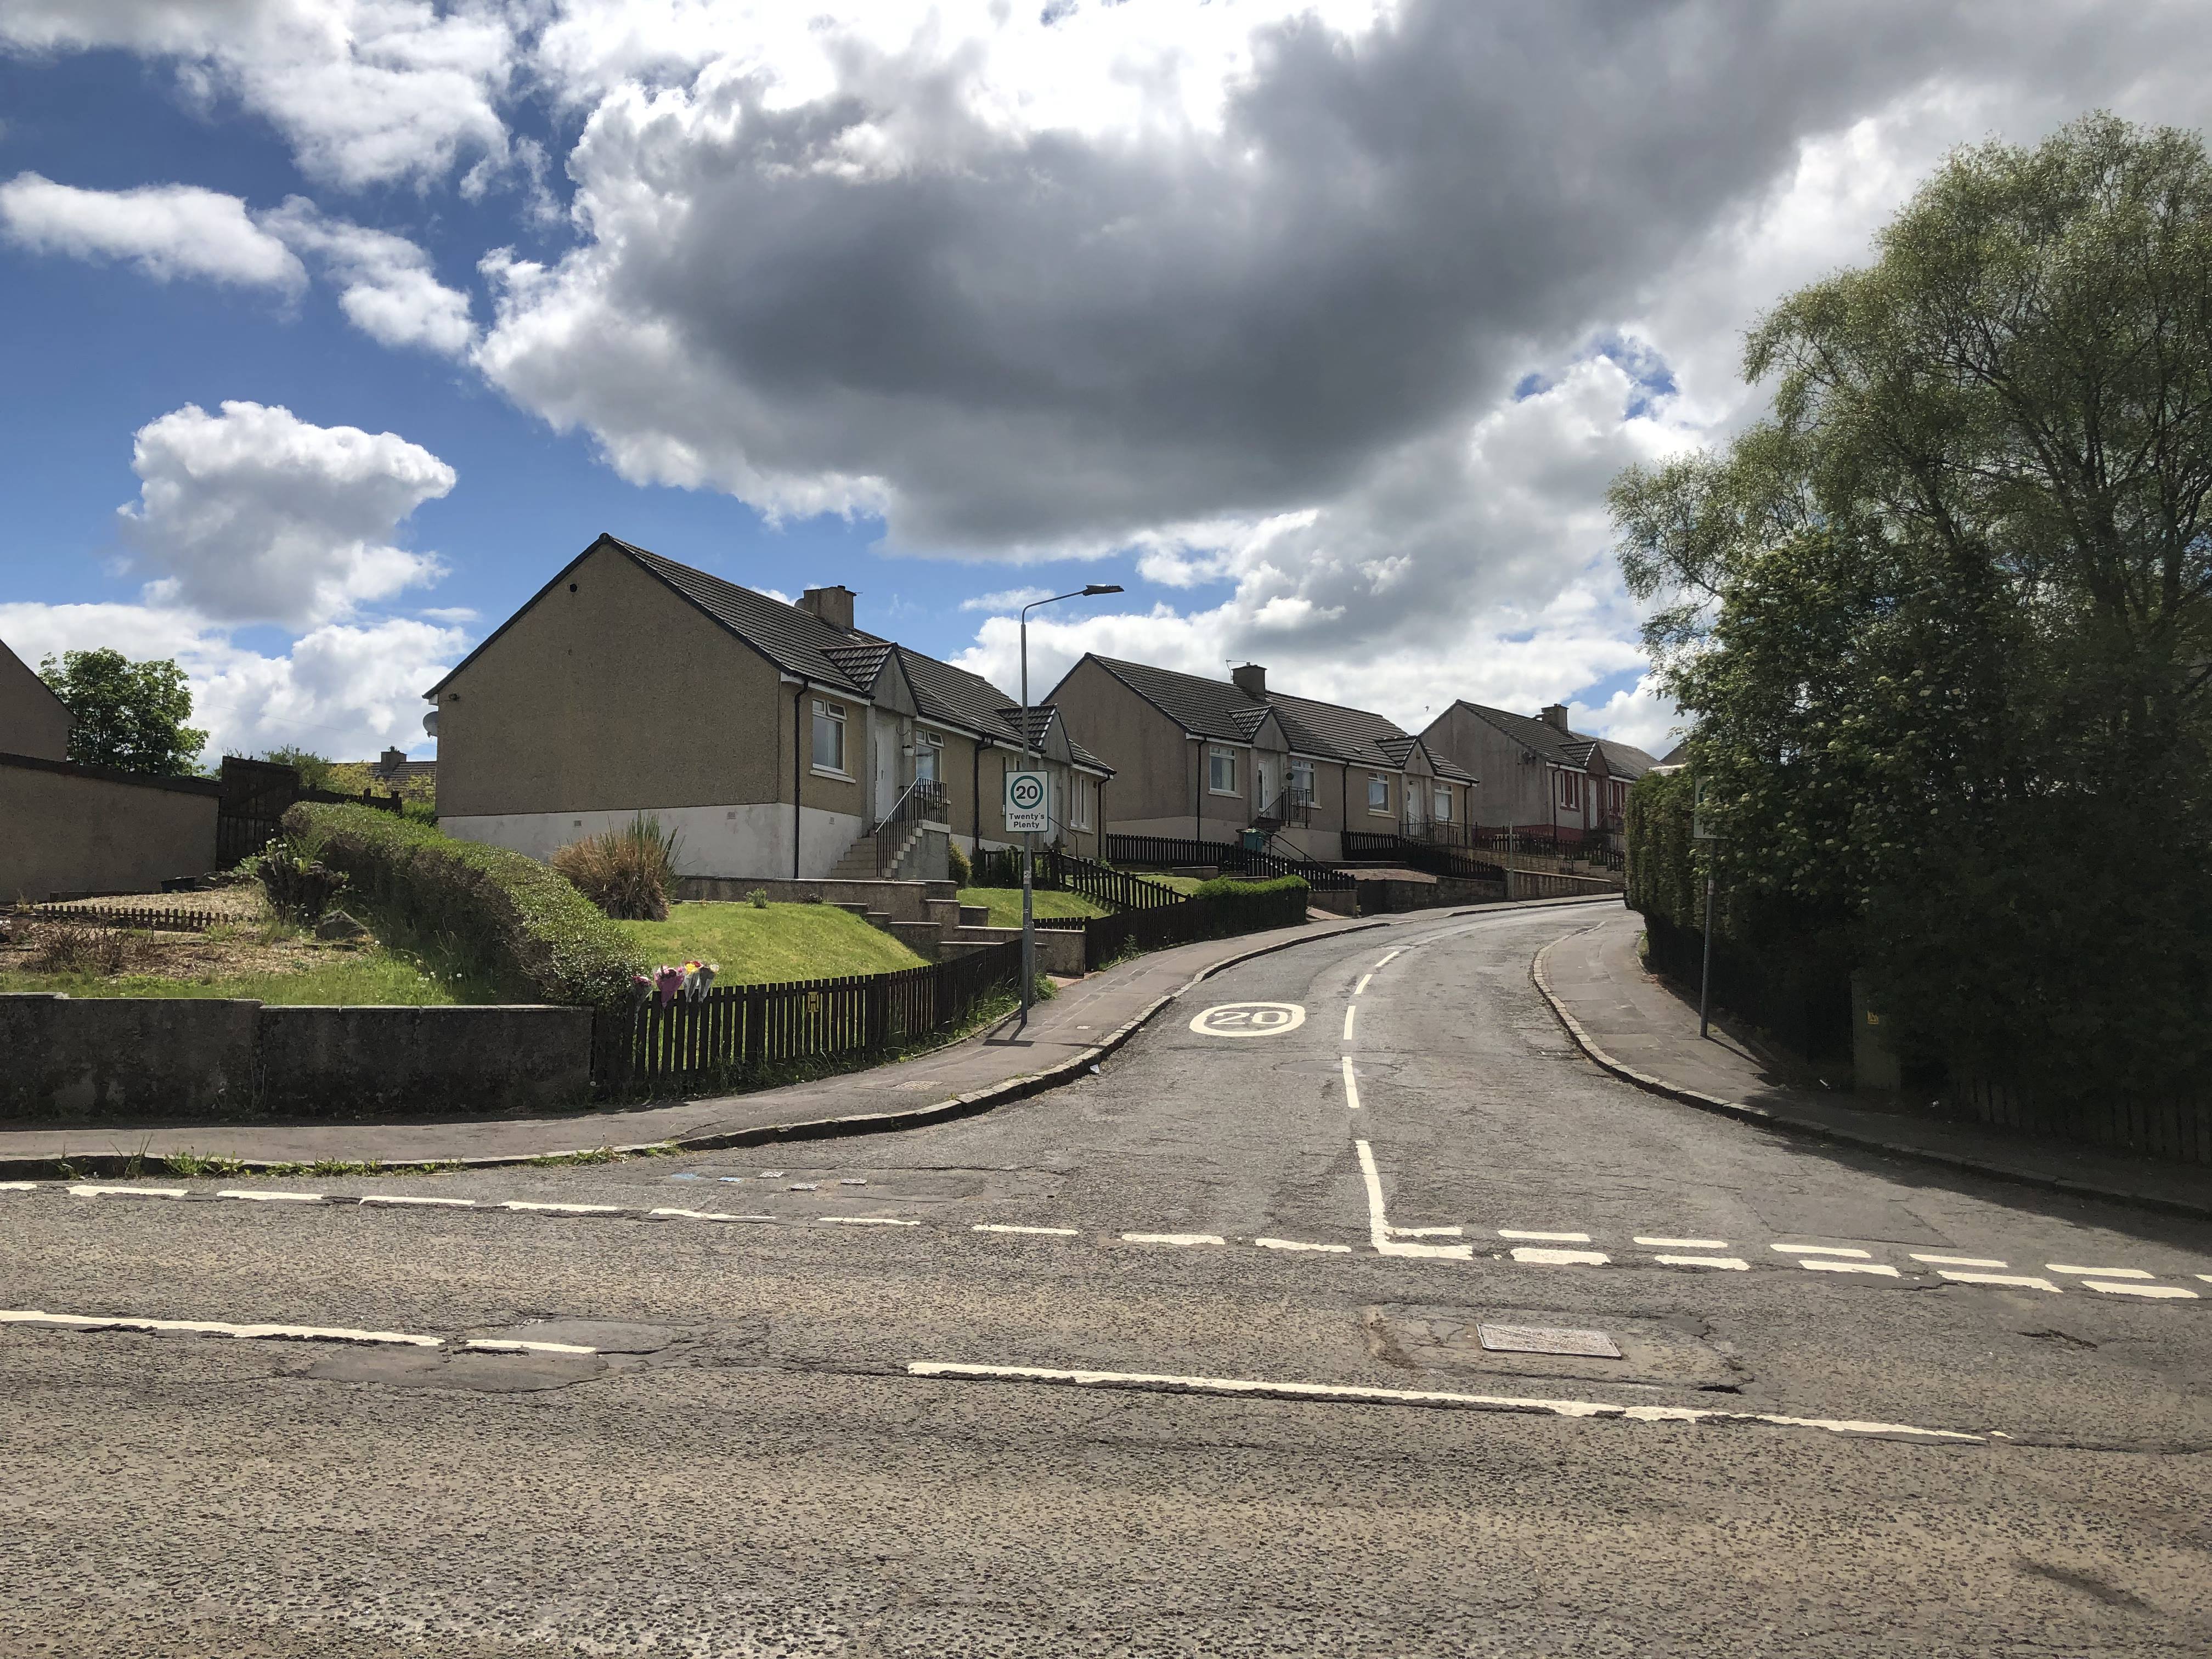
316 771
1946 615
129 714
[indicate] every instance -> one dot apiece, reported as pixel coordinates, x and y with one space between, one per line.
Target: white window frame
1440 804
1216 755
1079 815
928 746
1302 781
1378 782
830 717
1570 791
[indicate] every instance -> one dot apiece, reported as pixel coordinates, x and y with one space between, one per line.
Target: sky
335 327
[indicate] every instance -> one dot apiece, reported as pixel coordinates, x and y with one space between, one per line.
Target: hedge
517 917
1249 907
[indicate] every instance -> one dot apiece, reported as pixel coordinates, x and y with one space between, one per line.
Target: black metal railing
1429 858
922 801
1173 852
1212 916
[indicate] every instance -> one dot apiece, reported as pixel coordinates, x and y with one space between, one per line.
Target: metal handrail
905 810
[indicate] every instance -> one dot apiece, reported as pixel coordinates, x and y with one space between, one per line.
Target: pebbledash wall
117 1059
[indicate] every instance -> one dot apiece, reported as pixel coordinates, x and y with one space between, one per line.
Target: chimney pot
1252 680
393 760
1555 714
833 605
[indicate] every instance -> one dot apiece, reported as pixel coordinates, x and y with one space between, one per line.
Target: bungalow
776 739
1206 759
1542 778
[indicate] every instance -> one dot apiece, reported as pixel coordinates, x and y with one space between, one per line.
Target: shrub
757 898
627 873
500 910
299 889
957 867
1248 907
73 948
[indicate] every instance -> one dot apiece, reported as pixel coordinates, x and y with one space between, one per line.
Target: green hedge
516 917
1252 906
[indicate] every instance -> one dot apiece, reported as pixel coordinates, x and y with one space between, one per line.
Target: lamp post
1029 838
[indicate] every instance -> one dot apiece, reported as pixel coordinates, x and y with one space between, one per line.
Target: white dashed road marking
1256 1388
1820 1249
502 1345
18 1186
706 1215
271 1198
1009 1227
1387 958
1427 1233
1295 1244
411 1198
1349 1011
1958 1260
1735 1264
126 1192
1172 1238
1362 986
2160 1292
1351 1085
216 1327
1545 1238
1684 1244
1538 1257
867 1220
562 1209
1822 1264
2020 1281
2098 1272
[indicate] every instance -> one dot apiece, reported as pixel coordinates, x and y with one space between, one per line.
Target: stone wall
123 1059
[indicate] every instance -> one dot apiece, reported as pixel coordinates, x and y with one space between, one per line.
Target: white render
753 839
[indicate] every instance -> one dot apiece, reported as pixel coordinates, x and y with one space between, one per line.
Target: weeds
69 947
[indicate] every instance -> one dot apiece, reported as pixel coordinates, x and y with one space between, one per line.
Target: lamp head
1098 588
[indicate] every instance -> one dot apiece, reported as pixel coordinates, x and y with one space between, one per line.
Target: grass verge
1004 905
770 946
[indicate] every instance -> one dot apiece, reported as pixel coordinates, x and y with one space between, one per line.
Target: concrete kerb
972 1104
1812 1131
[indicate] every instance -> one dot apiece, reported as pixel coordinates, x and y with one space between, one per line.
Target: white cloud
166 230
366 91
1006 600
253 514
387 288
346 692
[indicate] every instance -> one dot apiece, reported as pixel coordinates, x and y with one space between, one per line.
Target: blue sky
1316 323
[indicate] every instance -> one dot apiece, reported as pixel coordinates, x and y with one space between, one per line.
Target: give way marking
1250 1019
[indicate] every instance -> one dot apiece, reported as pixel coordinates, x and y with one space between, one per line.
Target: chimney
833 605
392 761
1554 713
1252 680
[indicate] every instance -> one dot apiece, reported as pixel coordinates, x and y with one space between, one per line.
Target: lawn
1004 905
770 947
354 979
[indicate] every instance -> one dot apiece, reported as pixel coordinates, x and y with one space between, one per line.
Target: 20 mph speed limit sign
1026 811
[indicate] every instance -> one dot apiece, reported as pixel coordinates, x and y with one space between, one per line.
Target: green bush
300 890
1251 907
958 868
502 910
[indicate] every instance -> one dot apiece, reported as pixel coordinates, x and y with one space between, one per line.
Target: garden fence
734 1031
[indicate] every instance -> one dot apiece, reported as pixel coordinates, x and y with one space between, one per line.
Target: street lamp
1029 838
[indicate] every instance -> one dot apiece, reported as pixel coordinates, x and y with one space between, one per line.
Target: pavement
1349 1308
1642 1030
1087 1021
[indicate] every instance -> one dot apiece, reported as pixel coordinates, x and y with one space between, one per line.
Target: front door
887 766
1260 780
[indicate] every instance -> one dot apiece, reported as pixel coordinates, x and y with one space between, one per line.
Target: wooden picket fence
148 919
737 1030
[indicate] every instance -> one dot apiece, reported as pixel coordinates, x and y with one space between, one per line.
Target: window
1302 784
929 758
1080 818
1221 771
1442 813
829 736
1570 791
1378 793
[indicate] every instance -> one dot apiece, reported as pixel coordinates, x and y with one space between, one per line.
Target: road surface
1213 1353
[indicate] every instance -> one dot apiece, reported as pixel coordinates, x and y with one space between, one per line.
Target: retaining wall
115 1060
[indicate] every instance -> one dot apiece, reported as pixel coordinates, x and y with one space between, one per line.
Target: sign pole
1028 846
1698 832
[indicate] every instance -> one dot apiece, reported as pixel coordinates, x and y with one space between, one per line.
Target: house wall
997 762
621 698
1151 781
32 720
1510 792
67 829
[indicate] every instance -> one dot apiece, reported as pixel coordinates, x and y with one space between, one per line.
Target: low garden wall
114 1059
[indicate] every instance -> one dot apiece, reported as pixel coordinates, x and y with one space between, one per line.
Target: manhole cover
1538 1338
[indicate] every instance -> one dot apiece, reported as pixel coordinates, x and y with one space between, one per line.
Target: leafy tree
129 714
1947 616
316 771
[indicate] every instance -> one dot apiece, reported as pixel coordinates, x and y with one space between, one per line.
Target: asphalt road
884 1421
